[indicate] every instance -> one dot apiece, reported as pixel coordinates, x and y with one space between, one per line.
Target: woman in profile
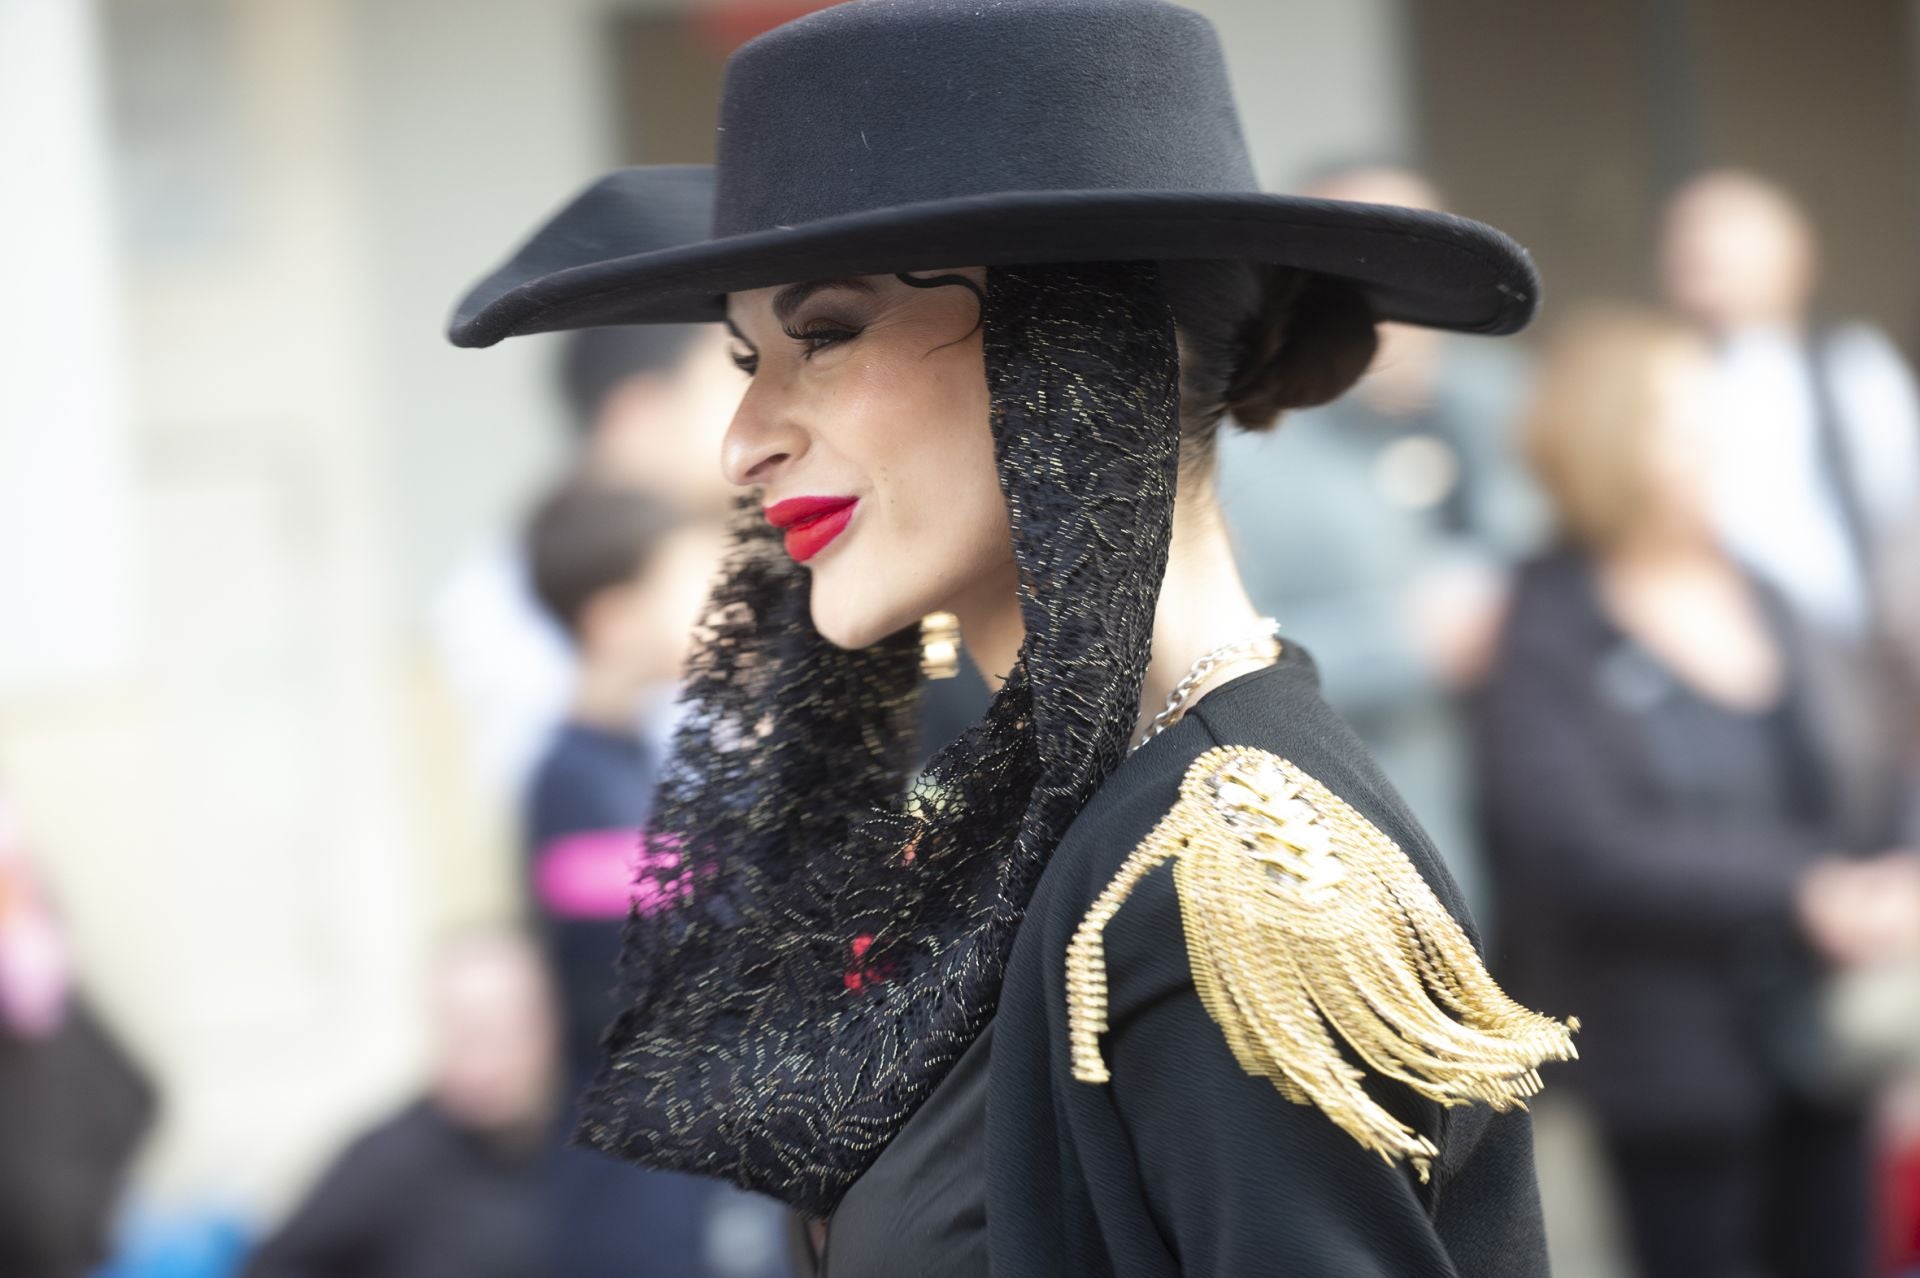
1666 832
1150 972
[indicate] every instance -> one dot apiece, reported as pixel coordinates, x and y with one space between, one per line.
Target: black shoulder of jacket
1321 930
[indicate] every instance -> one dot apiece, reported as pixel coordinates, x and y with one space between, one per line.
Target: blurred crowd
1634 631
1634 628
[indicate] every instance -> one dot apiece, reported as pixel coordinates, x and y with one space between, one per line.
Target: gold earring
940 645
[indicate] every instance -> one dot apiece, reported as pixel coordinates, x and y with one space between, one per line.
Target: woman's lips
811 523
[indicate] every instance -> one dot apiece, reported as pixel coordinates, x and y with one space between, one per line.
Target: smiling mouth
811 523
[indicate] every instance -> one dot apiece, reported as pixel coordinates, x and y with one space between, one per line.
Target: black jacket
1184 1164
1646 844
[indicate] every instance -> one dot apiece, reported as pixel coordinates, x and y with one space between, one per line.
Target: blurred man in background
1815 484
1816 489
648 405
624 574
451 1187
1392 564
1820 470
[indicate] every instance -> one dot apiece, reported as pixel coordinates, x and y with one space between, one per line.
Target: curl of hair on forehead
949 281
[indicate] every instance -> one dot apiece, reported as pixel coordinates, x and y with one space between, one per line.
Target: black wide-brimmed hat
896 135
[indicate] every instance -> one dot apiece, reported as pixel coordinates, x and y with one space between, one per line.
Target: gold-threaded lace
826 931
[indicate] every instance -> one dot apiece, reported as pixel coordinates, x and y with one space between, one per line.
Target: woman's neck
606 698
1202 605
1687 603
1666 541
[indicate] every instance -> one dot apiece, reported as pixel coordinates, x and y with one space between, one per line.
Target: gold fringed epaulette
1303 922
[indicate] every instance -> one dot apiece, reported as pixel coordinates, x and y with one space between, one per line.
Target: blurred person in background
624 575
73 1107
1817 477
1392 564
1674 860
647 405
452 1186
650 403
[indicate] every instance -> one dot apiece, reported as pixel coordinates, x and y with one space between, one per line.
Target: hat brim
1415 267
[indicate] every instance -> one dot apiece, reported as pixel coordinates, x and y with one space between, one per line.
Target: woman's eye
818 337
746 361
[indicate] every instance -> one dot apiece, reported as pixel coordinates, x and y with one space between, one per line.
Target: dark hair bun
1311 341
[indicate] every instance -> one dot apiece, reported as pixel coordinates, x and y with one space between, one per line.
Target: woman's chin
846 630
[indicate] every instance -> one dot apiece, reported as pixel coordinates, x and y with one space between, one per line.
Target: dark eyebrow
789 299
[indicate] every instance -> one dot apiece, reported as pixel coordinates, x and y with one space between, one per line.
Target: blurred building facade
236 456
1575 126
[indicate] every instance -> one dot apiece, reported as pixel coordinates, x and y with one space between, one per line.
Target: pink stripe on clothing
600 874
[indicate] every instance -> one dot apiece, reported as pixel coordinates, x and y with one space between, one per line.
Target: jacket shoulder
1321 935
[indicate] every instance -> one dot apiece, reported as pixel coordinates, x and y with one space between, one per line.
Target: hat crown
879 103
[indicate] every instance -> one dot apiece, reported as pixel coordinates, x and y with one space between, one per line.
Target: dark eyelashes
813 337
818 335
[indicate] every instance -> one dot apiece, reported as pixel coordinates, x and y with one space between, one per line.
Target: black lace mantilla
817 938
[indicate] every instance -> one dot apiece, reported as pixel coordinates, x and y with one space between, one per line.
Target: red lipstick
811 523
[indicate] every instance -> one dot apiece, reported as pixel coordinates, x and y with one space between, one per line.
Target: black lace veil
817 937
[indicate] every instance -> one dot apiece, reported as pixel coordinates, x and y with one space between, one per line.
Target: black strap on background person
1871 693
1837 471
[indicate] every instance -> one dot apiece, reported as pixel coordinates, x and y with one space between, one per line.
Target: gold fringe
1303 922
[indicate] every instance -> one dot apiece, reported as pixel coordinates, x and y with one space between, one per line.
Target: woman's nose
761 440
